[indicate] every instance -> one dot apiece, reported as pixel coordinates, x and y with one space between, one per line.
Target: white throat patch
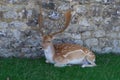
49 54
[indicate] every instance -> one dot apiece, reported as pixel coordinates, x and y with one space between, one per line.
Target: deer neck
49 52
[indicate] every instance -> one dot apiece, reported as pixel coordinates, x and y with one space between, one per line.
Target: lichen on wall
95 24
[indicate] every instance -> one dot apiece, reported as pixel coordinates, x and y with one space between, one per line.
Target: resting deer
65 54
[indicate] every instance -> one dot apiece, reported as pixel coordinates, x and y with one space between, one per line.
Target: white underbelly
76 61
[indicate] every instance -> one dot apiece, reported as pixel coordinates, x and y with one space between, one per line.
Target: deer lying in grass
65 54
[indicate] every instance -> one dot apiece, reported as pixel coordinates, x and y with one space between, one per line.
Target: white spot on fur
75 51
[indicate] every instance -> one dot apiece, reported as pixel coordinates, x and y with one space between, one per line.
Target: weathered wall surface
95 24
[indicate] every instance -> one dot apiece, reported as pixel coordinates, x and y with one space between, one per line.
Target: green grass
108 68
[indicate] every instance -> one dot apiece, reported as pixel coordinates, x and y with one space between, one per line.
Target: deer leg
88 65
47 61
84 63
89 62
61 62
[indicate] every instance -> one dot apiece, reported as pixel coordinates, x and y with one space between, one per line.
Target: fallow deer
65 54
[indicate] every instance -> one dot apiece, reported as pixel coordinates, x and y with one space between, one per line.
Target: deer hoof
47 61
83 66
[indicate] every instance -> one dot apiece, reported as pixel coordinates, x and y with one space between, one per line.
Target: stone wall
95 24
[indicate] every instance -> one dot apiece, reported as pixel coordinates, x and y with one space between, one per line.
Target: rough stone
97 49
104 42
18 25
80 9
91 42
71 35
3 25
119 35
73 28
86 35
107 50
10 14
63 7
16 34
116 28
84 22
115 43
6 53
112 35
116 50
99 33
